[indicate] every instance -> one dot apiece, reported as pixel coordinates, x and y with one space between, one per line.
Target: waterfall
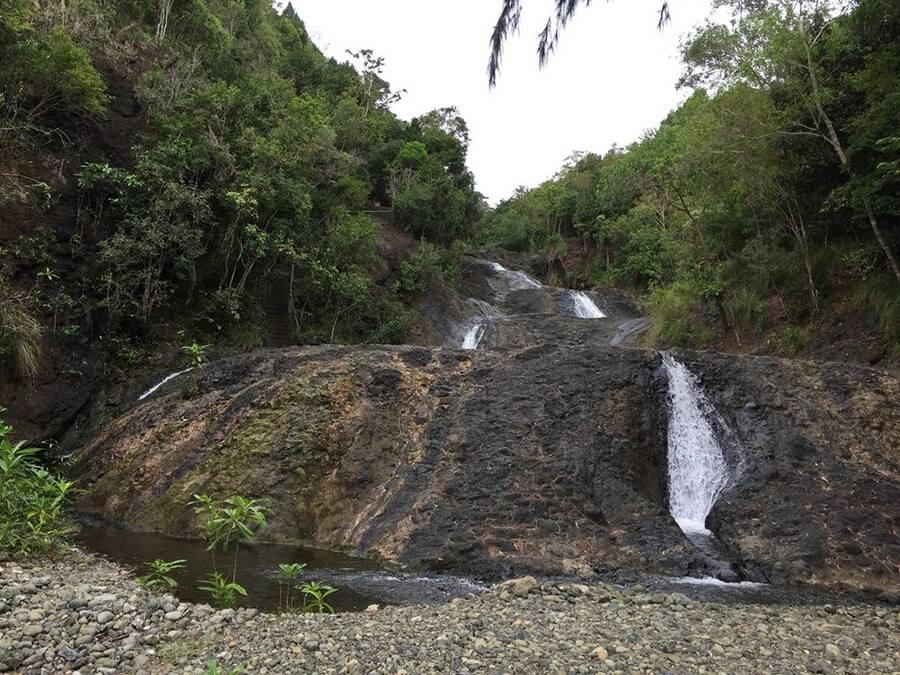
697 469
585 307
474 335
167 378
517 280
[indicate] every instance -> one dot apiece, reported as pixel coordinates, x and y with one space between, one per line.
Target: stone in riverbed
519 587
600 653
104 617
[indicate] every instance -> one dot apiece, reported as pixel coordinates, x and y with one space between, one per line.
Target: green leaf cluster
32 500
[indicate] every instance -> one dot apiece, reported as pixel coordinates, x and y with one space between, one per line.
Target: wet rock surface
82 614
547 459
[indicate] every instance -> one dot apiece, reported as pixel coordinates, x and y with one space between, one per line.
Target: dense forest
249 165
170 170
761 206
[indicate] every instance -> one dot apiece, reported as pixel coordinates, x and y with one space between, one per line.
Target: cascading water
697 470
585 307
474 335
167 378
517 280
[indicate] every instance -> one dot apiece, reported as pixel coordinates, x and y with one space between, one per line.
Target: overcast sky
612 77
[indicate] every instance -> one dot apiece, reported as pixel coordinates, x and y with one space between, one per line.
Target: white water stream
475 334
585 307
167 378
517 280
697 470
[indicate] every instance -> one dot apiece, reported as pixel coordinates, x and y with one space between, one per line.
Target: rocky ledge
546 460
83 614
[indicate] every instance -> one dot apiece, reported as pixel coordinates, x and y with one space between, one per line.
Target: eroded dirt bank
548 459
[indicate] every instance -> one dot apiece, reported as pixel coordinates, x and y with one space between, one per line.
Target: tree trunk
165 7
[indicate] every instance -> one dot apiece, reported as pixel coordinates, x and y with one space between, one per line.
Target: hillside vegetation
168 166
763 210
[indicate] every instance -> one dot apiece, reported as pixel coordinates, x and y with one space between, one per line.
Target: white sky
612 77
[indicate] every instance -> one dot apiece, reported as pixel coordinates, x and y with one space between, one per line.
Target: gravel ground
83 614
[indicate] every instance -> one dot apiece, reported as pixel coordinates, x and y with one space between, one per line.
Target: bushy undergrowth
32 500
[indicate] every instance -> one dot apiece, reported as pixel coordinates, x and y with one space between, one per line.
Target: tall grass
20 333
879 293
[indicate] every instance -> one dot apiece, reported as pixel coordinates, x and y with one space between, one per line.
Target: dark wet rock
545 459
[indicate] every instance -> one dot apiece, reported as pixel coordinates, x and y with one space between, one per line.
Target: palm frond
548 38
507 22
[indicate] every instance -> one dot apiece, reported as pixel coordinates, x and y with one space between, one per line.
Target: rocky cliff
549 458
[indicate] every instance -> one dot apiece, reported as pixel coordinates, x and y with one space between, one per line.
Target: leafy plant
314 594
32 500
224 593
159 576
213 668
225 525
421 270
196 354
794 339
288 574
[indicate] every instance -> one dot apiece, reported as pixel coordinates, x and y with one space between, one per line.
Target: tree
778 45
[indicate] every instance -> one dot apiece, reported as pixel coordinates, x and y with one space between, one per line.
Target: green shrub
159 575
32 500
880 294
224 593
747 308
62 77
314 594
793 339
288 575
421 270
675 312
392 327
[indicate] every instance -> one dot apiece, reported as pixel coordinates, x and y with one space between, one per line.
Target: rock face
540 459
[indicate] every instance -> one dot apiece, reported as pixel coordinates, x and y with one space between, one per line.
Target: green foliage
288 574
45 71
224 593
257 161
226 524
793 339
676 316
314 595
213 668
421 270
730 213
32 500
195 354
879 293
230 521
159 578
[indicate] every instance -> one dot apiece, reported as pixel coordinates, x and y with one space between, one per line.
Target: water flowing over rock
474 335
545 451
517 279
697 470
168 378
585 307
